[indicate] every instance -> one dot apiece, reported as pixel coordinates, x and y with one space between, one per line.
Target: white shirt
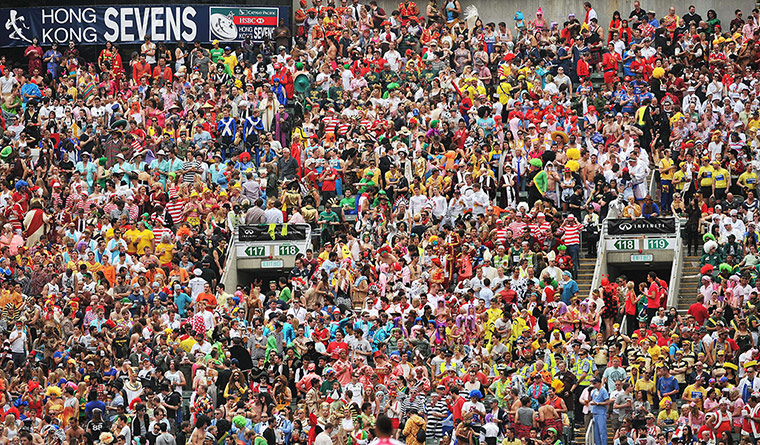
273 215
439 206
18 341
323 439
7 83
196 285
478 202
393 57
346 77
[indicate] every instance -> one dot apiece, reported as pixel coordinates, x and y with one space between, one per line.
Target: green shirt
328 216
285 295
335 93
216 54
540 181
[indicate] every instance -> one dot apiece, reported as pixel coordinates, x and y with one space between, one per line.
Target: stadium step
689 285
585 277
579 436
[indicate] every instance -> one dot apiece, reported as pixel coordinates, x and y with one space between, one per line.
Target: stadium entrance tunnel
247 277
637 272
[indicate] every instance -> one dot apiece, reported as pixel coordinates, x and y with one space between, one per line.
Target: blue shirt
182 300
666 385
599 396
569 288
30 90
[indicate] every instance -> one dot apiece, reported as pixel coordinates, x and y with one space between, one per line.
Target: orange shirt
180 275
110 273
207 298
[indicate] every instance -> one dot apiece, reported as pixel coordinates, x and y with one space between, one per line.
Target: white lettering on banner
157 24
113 27
80 35
64 16
173 24
89 15
126 23
47 16
142 23
130 24
192 29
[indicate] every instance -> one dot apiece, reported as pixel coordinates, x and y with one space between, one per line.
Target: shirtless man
588 169
199 433
75 433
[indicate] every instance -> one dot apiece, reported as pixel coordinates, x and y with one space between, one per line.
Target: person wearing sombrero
561 138
537 181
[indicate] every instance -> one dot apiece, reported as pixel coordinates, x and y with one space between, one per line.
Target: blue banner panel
95 25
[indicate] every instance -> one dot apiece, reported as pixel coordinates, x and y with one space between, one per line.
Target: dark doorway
638 272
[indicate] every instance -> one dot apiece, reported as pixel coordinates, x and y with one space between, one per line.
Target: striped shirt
436 413
189 177
174 208
330 124
572 234
160 232
418 403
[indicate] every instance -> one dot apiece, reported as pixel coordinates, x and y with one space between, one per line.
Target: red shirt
321 334
699 311
457 408
335 347
329 184
653 300
139 70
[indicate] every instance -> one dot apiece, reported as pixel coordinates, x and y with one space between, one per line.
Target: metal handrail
228 259
675 272
601 258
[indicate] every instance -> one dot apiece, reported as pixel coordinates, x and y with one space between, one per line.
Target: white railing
675 272
229 258
601 258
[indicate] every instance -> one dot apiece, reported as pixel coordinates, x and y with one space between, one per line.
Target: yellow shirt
665 416
146 240
695 394
678 179
706 172
753 124
375 171
231 61
73 265
647 387
168 254
748 180
129 236
504 91
665 164
433 182
721 177
187 344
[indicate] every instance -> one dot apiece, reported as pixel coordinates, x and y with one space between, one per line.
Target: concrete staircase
585 276
690 279
579 435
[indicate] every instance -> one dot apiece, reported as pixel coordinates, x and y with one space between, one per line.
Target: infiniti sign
651 225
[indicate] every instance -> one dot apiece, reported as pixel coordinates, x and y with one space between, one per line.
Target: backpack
421 435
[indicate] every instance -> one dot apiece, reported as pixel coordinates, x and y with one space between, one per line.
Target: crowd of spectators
455 171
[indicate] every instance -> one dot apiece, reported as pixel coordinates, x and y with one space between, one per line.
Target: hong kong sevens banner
95 25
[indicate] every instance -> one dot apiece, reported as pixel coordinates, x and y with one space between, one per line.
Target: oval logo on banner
223 27
626 226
